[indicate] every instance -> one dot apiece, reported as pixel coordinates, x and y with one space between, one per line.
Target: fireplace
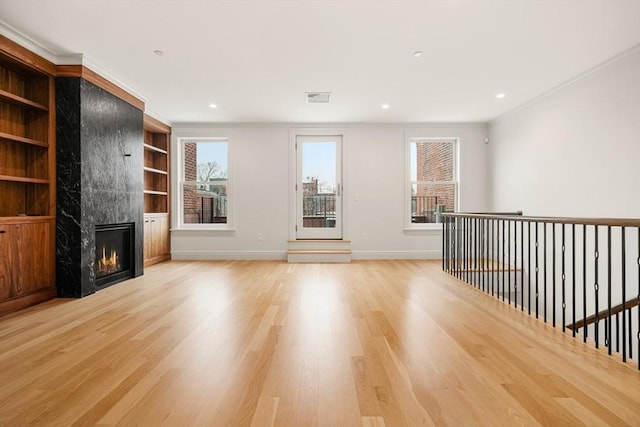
114 254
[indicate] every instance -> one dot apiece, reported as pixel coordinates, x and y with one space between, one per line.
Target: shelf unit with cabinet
27 177
156 191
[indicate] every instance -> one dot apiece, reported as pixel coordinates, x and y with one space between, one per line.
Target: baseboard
282 255
229 255
363 255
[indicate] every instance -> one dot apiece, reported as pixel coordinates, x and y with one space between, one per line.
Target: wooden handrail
514 213
614 222
604 314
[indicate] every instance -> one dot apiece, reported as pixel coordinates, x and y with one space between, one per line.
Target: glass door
319 187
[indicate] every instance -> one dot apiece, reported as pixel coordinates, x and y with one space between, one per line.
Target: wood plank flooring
240 343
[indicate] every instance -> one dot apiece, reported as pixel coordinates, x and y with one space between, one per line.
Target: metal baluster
449 245
444 242
470 252
522 265
595 287
573 276
515 263
494 255
528 268
631 335
584 280
466 249
503 281
544 263
618 333
609 315
624 295
454 242
509 261
537 267
483 253
553 273
564 305
475 253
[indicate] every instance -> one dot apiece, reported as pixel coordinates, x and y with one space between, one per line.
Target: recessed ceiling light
500 95
213 106
385 106
417 54
158 52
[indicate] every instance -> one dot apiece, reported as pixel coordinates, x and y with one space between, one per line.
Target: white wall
574 152
375 170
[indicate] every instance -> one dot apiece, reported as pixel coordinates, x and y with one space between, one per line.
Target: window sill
189 232
432 230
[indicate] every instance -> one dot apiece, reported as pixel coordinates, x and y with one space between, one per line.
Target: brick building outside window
432 178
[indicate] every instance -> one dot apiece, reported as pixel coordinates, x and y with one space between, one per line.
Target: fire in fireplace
108 265
114 251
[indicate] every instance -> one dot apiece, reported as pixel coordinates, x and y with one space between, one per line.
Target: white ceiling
256 59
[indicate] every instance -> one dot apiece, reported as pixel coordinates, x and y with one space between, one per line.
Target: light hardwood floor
384 343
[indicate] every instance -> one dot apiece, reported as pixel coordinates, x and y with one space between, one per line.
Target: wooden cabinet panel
25 259
156 238
32 257
7 248
159 235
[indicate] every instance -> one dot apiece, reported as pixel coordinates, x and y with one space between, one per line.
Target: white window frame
294 133
179 187
408 225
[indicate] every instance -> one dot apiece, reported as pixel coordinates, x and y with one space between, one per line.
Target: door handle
338 190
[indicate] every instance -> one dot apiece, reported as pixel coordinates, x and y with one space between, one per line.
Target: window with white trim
204 183
432 180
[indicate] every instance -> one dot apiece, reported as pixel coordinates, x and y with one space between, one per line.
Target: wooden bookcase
156 191
27 178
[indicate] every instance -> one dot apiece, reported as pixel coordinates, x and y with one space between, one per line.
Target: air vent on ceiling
318 97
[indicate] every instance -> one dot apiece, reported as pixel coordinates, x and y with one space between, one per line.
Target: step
319 255
319 244
326 250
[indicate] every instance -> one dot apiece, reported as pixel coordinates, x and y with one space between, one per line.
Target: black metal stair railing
580 274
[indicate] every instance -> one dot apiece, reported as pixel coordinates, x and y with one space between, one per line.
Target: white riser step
306 245
319 251
319 256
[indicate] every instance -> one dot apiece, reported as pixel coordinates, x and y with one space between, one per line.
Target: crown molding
77 65
575 80
23 40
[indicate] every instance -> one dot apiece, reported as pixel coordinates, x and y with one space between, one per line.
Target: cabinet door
32 258
155 237
8 249
147 238
162 234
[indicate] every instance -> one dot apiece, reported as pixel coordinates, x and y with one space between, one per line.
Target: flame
108 265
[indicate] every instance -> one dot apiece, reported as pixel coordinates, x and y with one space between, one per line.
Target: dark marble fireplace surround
99 178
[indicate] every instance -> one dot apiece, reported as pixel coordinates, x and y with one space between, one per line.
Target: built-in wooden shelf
22 219
161 172
157 246
157 193
27 178
153 148
16 138
24 179
20 101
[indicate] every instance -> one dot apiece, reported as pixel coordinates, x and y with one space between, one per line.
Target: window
204 184
432 186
